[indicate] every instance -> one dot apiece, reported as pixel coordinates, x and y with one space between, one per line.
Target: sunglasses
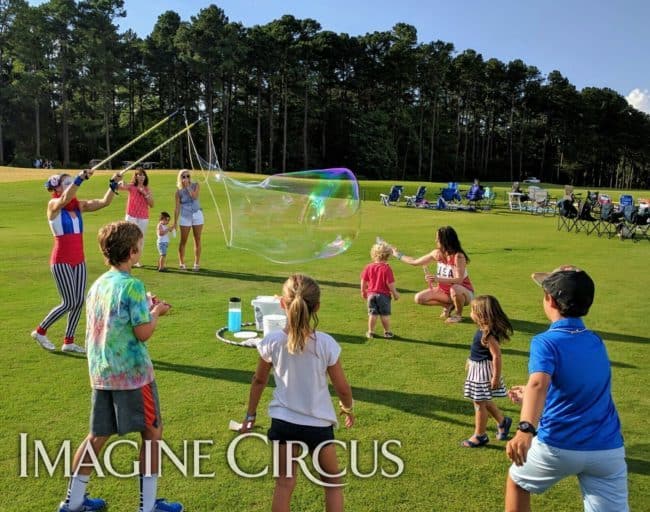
185 176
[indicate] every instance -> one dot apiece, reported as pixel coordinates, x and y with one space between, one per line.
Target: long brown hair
449 242
491 319
301 295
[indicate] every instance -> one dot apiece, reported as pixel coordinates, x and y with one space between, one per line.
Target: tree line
288 96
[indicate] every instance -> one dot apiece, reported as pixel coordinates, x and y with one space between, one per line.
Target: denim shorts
162 248
378 304
284 431
602 474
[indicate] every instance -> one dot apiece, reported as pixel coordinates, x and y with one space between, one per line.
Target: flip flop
481 441
446 311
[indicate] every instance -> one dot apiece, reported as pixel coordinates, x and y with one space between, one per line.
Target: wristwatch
524 426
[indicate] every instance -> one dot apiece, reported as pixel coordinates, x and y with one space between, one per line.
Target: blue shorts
602 474
162 248
378 304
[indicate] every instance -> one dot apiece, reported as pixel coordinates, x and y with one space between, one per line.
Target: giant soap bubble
292 217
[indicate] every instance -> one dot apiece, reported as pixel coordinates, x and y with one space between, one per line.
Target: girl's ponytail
301 296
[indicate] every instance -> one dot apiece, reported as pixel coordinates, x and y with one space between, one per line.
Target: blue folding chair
451 192
474 195
418 198
393 196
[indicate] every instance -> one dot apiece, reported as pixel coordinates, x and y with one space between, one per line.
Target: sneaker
196 268
167 506
137 265
182 266
42 340
388 334
454 319
164 269
369 335
73 347
89 505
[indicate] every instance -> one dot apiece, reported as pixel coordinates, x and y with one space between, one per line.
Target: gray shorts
602 474
124 411
378 304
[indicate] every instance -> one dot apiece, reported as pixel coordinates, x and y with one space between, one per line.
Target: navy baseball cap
571 287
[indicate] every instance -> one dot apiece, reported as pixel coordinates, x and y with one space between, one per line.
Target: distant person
67 261
301 359
139 202
377 287
484 369
124 393
188 215
569 423
450 287
163 230
516 188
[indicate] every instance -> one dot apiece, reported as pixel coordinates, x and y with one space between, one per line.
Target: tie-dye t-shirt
116 303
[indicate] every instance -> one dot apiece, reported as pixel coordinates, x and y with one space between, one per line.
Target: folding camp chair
450 194
488 198
608 220
393 196
566 215
418 198
539 200
636 222
585 221
474 195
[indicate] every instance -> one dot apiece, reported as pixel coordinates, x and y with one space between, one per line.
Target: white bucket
265 305
273 323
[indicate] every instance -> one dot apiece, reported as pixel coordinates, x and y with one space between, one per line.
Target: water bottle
234 314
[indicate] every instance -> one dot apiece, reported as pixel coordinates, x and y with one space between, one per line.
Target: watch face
524 426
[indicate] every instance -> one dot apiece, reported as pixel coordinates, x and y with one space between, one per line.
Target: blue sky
597 43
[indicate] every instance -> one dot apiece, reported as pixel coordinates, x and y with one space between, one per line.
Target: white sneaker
73 347
137 265
42 340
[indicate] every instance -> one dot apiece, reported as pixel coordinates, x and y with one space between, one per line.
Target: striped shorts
477 384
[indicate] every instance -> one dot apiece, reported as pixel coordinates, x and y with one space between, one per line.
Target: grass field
409 389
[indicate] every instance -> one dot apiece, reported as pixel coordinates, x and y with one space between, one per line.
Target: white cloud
639 99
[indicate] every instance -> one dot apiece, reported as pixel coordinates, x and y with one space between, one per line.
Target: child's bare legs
161 261
329 464
517 499
385 322
494 411
96 444
149 461
480 419
372 322
284 485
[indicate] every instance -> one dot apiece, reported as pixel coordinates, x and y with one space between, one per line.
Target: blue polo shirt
579 413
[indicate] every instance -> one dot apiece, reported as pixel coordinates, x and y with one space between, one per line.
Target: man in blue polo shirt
568 395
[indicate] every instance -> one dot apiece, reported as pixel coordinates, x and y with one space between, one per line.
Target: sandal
446 311
480 441
504 428
388 334
454 319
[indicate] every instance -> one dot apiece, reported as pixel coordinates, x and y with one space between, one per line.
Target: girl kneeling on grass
484 380
301 409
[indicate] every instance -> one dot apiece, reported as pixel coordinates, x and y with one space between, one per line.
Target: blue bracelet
78 181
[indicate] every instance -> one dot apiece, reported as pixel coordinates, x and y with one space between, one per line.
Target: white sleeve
331 349
265 350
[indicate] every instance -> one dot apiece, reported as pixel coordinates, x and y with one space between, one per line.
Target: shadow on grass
348 338
533 328
504 350
427 406
638 459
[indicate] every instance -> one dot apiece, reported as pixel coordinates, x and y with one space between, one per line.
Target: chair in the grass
475 194
418 198
450 194
489 197
608 220
637 222
566 215
393 196
540 202
585 221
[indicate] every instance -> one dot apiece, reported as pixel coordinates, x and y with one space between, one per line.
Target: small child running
377 287
484 380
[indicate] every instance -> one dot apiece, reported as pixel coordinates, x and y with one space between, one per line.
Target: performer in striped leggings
67 260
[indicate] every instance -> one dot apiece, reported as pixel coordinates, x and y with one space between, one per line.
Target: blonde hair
179 180
380 252
301 295
491 319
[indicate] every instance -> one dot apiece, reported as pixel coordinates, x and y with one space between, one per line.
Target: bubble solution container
234 314
265 305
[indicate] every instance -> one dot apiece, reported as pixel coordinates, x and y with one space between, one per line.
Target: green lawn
409 389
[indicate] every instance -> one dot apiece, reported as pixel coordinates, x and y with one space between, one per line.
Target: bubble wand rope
192 149
133 141
157 148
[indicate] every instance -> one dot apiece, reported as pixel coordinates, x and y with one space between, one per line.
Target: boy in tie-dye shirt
124 394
